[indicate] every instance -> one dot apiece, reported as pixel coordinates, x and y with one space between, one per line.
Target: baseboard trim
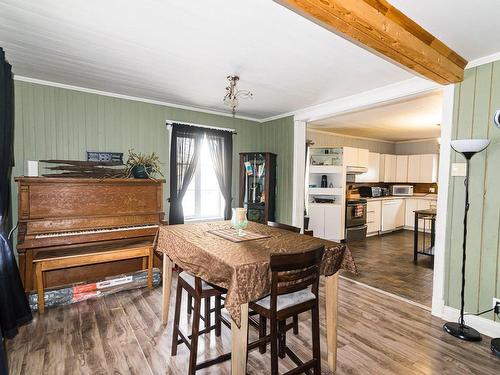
485 326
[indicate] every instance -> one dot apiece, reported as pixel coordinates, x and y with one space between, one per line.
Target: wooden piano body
61 213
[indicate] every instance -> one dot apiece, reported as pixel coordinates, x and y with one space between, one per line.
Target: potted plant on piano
142 166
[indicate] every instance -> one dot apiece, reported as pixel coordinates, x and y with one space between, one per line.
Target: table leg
167 283
415 239
331 303
239 342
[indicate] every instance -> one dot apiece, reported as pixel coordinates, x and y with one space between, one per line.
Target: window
203 199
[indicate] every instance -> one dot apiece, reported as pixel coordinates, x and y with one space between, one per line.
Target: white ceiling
181 51
416 118
469 27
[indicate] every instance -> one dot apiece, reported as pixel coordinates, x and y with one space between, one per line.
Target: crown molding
127 97
483 60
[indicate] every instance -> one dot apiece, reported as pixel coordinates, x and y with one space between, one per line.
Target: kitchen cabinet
416 204
373 215
401 168
413 168
355 157
364 158
428 168
388 167
423 168
373 174
393 214
326 221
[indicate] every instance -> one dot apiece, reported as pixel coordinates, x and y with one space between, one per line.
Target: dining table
241 265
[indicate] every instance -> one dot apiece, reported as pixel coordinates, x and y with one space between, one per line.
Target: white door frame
398 91
442 203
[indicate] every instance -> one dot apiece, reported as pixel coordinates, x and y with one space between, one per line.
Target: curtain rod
170 122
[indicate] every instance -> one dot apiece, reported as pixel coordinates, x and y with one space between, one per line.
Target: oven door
355 214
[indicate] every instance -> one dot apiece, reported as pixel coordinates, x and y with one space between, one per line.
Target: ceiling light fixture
231 99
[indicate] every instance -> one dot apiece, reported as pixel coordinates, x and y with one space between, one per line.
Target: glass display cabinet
258 185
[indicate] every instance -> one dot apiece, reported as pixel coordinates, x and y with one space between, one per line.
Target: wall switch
458 169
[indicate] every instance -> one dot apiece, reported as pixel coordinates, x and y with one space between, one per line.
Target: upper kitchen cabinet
401 168
413 168
388 164
355 157
429 168
373 174
423 168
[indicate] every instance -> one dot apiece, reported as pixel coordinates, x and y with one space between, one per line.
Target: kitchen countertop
414 196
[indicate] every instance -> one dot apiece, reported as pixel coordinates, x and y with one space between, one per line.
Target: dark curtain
184 154
220 144
3 358
14 308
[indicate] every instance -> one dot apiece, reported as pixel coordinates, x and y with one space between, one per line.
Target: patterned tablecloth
242 268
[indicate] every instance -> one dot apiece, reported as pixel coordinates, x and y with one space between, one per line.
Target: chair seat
190 280
287 300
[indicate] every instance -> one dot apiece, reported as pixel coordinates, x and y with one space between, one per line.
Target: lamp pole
468 148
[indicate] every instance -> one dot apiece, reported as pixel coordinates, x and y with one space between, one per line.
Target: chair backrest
283 226
294 272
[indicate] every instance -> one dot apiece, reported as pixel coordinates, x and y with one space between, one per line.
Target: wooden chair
294 290
197 290
295 318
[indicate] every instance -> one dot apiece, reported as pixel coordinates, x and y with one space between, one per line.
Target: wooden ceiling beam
381 28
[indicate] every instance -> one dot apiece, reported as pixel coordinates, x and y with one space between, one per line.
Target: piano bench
49 260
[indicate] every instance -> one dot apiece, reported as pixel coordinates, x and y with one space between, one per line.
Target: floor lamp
468 148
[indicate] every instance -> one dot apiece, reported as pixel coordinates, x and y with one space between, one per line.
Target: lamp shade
471 146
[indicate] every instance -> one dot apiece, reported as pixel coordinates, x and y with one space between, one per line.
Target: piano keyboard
94 231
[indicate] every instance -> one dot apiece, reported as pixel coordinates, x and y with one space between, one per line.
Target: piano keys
59 213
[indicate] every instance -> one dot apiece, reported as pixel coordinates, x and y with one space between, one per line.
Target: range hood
356 170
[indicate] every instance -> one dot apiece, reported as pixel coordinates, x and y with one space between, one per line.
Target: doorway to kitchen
389 190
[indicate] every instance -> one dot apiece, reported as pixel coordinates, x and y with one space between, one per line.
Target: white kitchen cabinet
428 168
326 221
413 168
401 168
334 225
350 156
317 220
373 216
373 174
393 214
388 166
355 157
363 158
423 168
413 204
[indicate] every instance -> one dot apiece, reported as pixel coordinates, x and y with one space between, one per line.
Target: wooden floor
386 262
122 334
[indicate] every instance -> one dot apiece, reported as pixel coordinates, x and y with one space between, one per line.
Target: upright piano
61 213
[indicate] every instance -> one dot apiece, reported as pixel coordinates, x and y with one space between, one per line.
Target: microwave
370 191
402 190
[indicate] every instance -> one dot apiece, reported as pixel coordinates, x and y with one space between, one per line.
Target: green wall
476 99
58 123
277 137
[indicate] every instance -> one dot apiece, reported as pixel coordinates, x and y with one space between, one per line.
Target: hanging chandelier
231 99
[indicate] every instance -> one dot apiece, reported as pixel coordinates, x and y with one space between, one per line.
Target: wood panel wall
277 137
58 123
476 99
